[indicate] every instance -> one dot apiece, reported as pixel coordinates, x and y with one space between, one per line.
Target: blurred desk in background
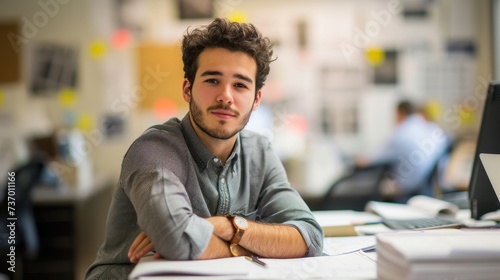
71 227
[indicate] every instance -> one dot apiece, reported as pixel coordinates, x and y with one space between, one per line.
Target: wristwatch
234 248
240 224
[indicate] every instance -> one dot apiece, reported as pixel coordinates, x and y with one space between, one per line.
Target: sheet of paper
148 266
354 265
347 266
395 210
341 245
344 217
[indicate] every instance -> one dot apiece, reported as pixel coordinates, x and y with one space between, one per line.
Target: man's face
223 96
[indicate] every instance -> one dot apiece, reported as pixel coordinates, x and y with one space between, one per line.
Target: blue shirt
170 182
413 149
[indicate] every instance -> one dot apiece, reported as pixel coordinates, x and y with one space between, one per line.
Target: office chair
432 183
26 234
355 189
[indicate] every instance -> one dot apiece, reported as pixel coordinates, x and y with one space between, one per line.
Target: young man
200 187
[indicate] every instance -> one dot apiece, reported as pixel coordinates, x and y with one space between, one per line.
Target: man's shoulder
158 140
171 126
253 139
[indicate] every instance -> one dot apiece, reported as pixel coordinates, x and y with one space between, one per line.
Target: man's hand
141 246
264 239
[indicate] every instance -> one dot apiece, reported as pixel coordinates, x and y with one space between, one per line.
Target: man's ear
256 103
186 90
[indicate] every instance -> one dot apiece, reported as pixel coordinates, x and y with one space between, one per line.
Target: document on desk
354 265
344 222
149 266
419 206
333 246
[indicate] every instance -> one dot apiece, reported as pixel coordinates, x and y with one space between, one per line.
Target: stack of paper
439 254
419 206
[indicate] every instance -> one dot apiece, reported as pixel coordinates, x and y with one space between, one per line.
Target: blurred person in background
412 150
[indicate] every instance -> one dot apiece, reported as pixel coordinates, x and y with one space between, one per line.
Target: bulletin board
9 52
160 74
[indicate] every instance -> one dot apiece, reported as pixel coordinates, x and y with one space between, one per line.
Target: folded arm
262 239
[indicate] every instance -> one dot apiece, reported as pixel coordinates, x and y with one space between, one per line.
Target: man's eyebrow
218 73
243 77
211 73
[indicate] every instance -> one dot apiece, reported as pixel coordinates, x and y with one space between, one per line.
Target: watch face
241 222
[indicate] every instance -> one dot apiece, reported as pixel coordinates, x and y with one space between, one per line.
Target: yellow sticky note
433 110
375 56
467 116
67 98
2 97
84 122
97 49
237 16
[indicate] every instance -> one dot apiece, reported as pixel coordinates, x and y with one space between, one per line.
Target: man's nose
226 94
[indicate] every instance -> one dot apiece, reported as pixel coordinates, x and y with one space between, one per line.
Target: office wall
321 69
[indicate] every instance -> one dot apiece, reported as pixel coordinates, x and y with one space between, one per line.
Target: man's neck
219 147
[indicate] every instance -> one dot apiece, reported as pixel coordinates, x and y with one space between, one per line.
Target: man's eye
239 85
212 81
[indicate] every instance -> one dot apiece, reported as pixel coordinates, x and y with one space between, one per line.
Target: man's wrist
240 225
223 228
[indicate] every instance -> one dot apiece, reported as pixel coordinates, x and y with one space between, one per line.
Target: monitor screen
481 194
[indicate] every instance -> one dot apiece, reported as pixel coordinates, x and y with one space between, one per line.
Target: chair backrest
354 190
432 185
17 196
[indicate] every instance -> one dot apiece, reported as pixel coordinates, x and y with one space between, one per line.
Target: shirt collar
201 154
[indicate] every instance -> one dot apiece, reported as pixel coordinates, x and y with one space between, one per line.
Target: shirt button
222 180
216 159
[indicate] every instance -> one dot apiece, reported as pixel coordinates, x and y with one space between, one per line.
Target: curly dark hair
222 33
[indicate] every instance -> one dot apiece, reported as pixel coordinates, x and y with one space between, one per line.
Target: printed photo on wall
53 67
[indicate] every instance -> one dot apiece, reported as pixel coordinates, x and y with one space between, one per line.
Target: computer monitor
481 194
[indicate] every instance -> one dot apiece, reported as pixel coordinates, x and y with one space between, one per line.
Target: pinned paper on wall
85 122
433 110
97 49
375 56
53 67
189 9
466 115
2 98
160 75
386 72
164 108
121 39
237 16
10 70
67 98
113 126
